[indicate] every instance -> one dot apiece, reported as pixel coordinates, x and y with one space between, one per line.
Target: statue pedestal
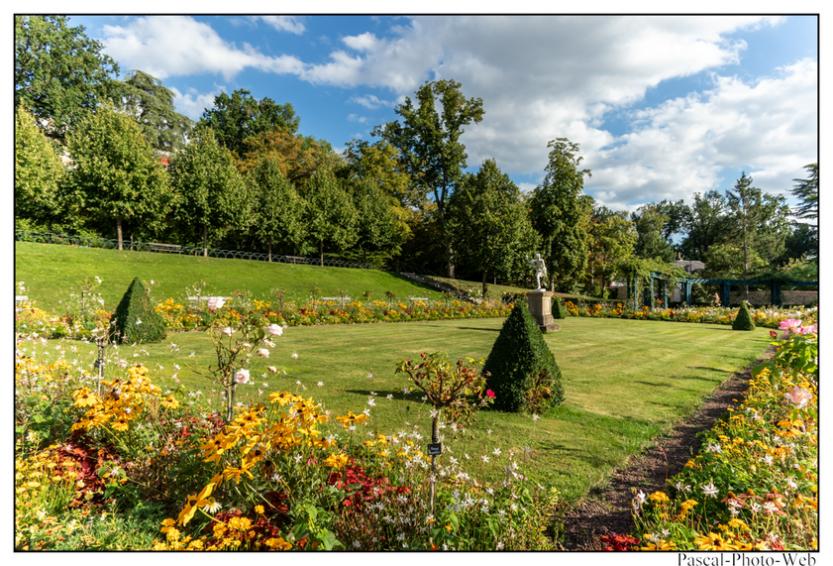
540 307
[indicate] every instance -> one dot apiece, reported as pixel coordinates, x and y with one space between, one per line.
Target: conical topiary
521 368
135 320
558 308
743 320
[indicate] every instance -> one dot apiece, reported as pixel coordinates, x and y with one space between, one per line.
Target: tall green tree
651 223
116 174
612 242
59 73
152 105
278 209
428 141
491 225
560 213
378 164
706 224
759 224
212 199
381 224
807 193
329 214
239 116
37 171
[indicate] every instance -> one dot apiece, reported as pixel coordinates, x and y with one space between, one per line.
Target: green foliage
329 214
59 72
743 320
152 105
117 178
652 243
561 215
278 210
521 368
491 227
558 308
705 225
381 228
37 171
378 164
211 196
807 192
237 117
134 320
612 241
428 141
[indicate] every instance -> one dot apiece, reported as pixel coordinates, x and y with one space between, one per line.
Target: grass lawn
51 271
625 382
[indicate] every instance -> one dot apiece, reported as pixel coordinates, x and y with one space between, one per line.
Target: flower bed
754 483
765 317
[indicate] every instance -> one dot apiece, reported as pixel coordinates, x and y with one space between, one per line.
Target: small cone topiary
743 320
135 320
521 368
558 308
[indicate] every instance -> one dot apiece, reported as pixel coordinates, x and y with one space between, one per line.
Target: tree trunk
119 235
450 255
485 285
270 251
321 251
205 241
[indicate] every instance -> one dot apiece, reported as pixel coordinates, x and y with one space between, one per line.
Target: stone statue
540 268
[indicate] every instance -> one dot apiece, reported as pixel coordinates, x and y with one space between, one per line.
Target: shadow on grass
475 328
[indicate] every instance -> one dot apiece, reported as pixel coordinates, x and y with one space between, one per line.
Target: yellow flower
259 509
170 402
336 461
712 541
278 543
659 497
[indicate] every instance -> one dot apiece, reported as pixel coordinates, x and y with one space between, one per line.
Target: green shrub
135 320
558 308
743 320
521 368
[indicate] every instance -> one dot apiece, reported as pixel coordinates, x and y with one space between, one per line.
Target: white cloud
193 103
292 24
371 101
684 145
362 42
356 118
166 46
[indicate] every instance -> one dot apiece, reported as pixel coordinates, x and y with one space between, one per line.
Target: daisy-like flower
710 490
535 417
138 321
241 376
371 402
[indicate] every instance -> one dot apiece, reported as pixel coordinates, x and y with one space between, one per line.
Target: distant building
690 265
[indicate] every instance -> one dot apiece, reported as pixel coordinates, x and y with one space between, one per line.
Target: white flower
274 330
485 459
389 396
294 355
241 376
263 352
370 376
770 508
710 490
228 331
215 303
272 369
496 451
371 401
535 417
714 448
138 321
320 384
767 460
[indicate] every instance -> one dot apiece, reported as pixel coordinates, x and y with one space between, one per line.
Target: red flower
490 394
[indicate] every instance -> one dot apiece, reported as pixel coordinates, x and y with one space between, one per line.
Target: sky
662 106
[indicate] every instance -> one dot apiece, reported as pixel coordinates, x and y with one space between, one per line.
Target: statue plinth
540 307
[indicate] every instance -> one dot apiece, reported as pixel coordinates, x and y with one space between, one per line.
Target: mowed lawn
625 382
51 271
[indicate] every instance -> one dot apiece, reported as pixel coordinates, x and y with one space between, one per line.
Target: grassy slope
475 288
625 382
51 271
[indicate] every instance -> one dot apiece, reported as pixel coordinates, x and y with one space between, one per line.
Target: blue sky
662 106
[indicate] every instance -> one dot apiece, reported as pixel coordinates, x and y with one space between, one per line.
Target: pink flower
490 394
215 303
241 376
228 331
791 324
812 329
263 352
798 396
274 330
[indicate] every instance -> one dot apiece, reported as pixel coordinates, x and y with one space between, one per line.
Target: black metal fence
159 247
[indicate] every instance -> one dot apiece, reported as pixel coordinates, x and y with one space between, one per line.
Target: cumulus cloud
292 24
767 127
362 42
167 46
371 101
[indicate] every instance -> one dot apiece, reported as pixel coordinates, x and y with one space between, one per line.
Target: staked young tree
491 225
212 199
116 172
277 218
428 141
37 171
60 74
560 213
329 214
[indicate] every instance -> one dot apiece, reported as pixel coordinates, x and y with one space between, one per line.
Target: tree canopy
152 105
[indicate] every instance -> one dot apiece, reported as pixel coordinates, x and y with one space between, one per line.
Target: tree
212 197
37 171
561 215
59 73
278 209
802 242
428 141
117 175
706 224
297 156
329 214
239 116
612 241
378 164
381 225
152 105
651 221
807 193
759 224
491 225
